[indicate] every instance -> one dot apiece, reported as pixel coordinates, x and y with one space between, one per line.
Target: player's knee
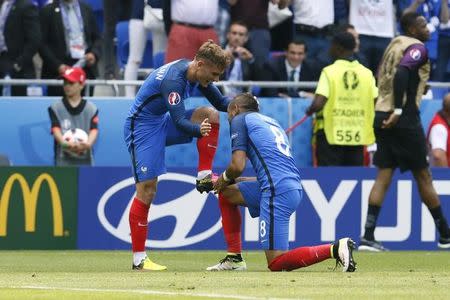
423 176
146 194
274 266
213 115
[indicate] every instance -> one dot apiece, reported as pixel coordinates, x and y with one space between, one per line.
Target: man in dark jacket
292 66
20 36
69 36
242 67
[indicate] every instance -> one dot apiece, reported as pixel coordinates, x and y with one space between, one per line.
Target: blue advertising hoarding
334 205
26 126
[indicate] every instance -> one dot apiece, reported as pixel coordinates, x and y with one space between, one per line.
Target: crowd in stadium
40 39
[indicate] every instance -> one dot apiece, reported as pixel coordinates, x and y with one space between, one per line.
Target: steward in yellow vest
346 94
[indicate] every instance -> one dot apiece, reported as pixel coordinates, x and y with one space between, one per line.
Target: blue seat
123 47
96 5
158 59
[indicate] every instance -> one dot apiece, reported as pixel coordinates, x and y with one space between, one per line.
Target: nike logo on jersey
142 225
212 146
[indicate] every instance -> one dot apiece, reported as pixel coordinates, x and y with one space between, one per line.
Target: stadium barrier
27 140
87 208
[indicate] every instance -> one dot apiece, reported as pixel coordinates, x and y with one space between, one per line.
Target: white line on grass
145 292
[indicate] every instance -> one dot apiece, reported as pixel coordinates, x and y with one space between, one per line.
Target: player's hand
391 121
62 68
243 53
69 147
84 146
205 127
90 58
220 184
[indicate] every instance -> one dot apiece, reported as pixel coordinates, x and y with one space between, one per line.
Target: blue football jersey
268 149
165 90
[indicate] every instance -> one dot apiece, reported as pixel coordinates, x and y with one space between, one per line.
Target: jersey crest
174 98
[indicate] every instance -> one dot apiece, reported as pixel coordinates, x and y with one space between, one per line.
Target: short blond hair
213 53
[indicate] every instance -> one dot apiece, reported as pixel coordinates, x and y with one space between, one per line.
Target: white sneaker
229 263
345 254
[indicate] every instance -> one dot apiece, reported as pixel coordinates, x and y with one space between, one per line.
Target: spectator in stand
374 21
70 37
138 39
443 61
242 67
73 112
192 25
313 23
113 12
439 136
20 36
254 14
293 66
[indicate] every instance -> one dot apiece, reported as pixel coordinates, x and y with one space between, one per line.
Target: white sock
138 257
203 174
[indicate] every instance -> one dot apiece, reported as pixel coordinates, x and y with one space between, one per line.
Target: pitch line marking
145 292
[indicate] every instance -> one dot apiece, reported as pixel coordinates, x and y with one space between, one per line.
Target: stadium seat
158 59
97 9
123 44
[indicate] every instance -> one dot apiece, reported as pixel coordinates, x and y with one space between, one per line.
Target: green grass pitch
108 275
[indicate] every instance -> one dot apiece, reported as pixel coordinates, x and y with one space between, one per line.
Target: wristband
224 176
398 111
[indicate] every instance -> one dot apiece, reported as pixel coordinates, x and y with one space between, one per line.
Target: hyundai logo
185 209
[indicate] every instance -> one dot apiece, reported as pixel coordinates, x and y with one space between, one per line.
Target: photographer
242 67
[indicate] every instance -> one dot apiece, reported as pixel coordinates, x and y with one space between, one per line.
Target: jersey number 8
282 145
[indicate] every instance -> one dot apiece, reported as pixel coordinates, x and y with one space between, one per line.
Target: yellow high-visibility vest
349 111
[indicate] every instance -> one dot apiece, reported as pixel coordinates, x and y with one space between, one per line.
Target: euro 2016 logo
350 80
174 98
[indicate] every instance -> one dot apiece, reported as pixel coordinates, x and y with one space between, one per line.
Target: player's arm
239 140
438 141
414 57
93 134
212 93
172 92
439 158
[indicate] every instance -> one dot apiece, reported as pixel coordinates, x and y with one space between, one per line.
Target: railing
116 83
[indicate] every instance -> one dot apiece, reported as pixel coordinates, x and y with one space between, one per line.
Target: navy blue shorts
146 141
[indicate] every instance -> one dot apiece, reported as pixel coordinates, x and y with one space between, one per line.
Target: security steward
344 102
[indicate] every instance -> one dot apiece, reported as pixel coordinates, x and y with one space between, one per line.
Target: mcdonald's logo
30 199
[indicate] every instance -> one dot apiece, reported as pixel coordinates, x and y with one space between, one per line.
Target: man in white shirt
192 25
375 23
438 136
313 20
